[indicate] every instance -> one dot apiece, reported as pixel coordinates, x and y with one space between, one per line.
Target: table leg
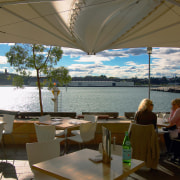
65 144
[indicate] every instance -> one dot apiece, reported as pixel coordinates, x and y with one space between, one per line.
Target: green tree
26 57
61 75
18 81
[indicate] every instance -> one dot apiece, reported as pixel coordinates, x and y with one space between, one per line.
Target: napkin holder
106 145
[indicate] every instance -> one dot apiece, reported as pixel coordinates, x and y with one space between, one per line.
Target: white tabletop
161 123
77 166
65 123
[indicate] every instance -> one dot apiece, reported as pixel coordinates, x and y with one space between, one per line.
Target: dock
167 89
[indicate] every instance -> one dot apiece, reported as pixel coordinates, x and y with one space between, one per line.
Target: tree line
137 81
8 79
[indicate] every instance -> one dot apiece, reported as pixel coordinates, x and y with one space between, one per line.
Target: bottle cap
126 133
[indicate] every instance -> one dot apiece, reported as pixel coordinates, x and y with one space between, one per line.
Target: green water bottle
126 147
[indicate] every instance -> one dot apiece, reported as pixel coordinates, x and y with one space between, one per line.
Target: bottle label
127 143
126 154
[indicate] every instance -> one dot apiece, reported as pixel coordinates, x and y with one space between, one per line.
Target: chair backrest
115 149
145 144
42 151
87 131
140 134
45 133
9 122
1 130
91 118
44 118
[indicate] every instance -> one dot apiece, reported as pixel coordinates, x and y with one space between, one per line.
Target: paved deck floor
17 166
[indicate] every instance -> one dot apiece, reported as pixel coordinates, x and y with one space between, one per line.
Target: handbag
173 131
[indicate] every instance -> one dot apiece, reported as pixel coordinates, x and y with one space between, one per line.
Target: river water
79 99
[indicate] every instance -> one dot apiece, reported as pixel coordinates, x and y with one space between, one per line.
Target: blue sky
122 63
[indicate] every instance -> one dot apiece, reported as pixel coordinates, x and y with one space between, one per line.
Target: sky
122 63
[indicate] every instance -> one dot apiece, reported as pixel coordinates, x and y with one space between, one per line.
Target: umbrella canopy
91 25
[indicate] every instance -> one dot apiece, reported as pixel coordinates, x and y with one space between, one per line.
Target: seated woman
144 115
174 119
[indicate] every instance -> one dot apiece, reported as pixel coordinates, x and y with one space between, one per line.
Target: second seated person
144 115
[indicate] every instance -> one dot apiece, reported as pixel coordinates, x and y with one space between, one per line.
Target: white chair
115 149
87 133
48 118
8 126
90 118
46 133
44 118
42 151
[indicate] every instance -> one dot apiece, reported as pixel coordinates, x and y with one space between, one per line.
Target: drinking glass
164 117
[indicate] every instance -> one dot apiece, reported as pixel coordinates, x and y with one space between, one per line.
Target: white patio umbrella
91 25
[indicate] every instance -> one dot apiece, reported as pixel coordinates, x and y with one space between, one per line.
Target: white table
77 166
161 123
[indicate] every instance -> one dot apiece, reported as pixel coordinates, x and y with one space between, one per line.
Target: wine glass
164 117
157 114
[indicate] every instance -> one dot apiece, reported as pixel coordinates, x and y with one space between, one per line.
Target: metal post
55 92
149 76
149 51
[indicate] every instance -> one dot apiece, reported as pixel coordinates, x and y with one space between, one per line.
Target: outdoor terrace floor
17 166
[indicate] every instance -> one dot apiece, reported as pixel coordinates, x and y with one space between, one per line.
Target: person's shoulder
155 116
138 113
177 111
152 114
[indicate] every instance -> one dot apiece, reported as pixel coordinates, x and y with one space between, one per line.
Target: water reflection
77 99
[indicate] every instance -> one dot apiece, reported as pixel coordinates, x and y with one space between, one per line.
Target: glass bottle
126 148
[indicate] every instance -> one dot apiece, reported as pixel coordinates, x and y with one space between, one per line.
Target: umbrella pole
149 51
149 76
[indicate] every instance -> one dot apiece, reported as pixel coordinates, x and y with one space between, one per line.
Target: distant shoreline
153 87
79 86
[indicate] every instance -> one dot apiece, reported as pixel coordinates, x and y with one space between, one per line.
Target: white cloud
72 52
9 44
165 62
94 69
92 58
130 63
3 60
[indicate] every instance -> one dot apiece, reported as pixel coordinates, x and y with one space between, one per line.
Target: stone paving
17 166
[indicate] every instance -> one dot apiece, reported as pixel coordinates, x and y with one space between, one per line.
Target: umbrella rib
38 26
48 22
107 20
125 35
128 33
17 35
165 27
4 3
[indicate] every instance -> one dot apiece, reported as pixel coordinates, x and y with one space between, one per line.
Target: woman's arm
171 115
175 117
